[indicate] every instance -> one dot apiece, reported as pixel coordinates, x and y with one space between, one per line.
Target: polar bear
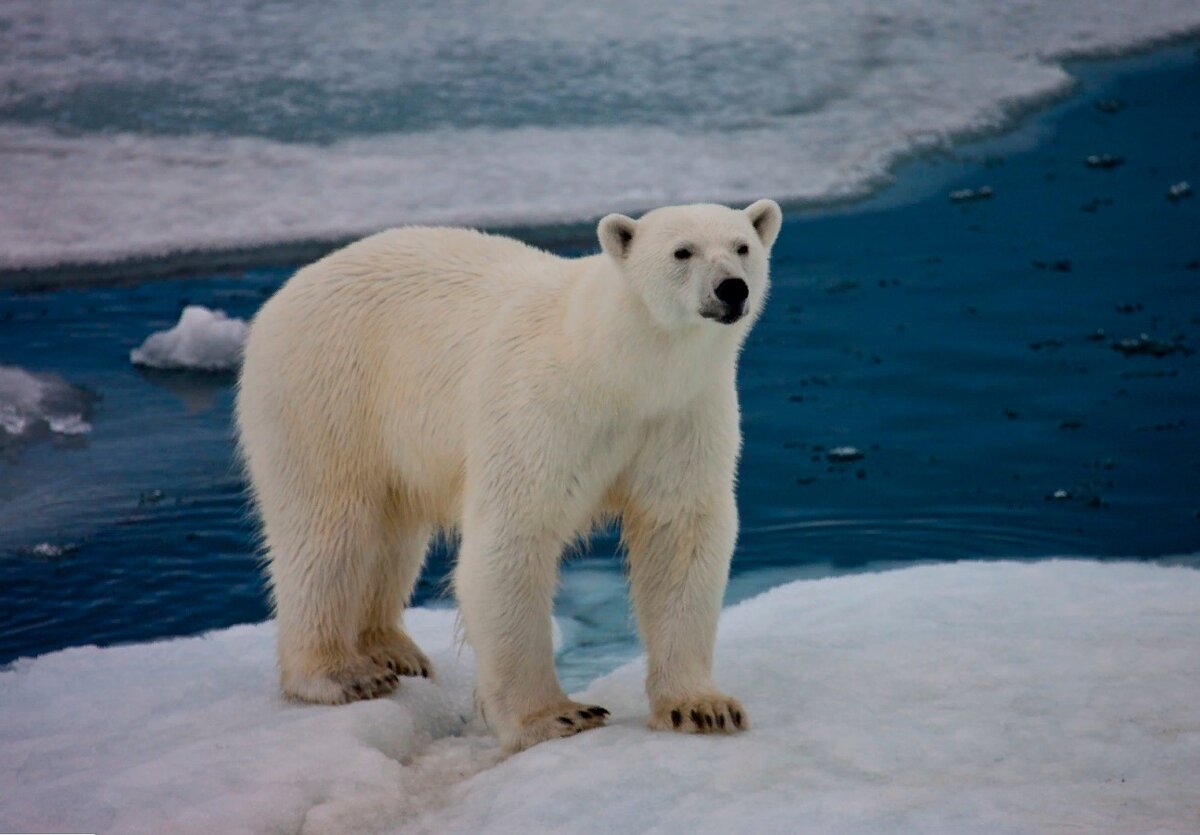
428 379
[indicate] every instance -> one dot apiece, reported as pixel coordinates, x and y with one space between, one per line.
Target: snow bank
203 340
1058 696
33 405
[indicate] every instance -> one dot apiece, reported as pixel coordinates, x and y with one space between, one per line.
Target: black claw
737 718
584 714
566 720
695 714
601 711
357 688
676 717
424 673
720 720
392 666
708 720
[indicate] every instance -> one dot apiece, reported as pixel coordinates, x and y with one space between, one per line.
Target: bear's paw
397 653
709 714
564 719
352 682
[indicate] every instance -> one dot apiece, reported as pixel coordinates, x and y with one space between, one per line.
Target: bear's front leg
680 528
505 588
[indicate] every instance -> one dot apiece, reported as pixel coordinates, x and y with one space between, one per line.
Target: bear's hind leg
319 581
399 562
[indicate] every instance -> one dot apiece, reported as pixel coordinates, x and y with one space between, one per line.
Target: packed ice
1054 696
270 124
202 340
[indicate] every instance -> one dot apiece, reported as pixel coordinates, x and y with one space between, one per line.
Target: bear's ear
766 217
616 235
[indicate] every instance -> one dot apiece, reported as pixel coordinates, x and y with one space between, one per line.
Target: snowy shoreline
1056 696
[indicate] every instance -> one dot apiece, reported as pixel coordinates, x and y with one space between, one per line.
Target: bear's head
700 264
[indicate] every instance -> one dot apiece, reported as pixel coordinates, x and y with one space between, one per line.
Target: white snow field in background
203 340
269 123
1057 696
37 404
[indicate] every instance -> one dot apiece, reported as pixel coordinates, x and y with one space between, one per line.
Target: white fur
442 378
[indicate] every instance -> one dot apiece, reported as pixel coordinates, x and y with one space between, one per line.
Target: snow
203 340
36 404
1056 696
135 128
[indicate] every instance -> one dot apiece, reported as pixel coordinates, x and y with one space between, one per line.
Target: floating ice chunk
40 404
967 195
1104 162
204 340
50 551
69 425
843 454
1179 191
1145 345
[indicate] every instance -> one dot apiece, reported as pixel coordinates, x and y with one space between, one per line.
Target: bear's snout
732 293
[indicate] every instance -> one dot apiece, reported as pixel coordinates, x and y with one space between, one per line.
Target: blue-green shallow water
905 327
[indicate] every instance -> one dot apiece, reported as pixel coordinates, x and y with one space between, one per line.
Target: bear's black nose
732 291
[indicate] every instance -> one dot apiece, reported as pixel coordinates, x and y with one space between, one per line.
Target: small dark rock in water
842 454
1129 307
1070 424
1150 375
806 479
1145 345
841 286
1011 414
1169 426
1104 162
1062 265
1110 106
967 195
1098 336
1093 205
1179 191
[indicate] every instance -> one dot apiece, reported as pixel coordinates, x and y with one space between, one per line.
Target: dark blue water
955 346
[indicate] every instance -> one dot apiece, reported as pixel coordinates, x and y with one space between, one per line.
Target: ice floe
1056 696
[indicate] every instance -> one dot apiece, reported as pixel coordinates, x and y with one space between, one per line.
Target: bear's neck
610 335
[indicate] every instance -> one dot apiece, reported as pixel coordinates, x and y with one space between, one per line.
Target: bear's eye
743 250
683 253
